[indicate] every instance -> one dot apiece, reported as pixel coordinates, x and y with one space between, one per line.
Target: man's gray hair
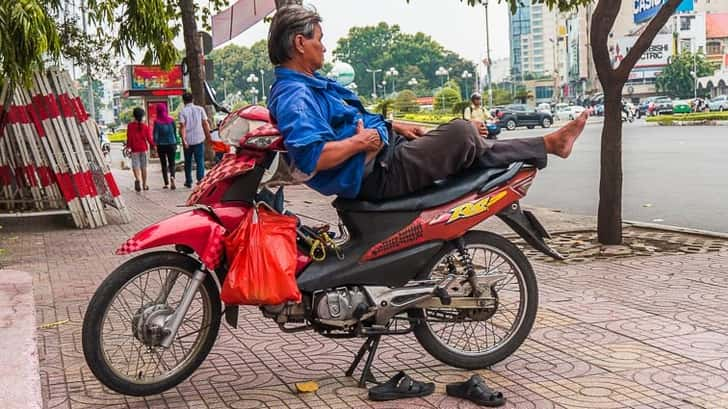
287 23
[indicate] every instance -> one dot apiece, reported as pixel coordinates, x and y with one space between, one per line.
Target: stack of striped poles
50 156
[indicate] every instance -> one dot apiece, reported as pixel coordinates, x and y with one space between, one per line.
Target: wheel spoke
135 357
480 331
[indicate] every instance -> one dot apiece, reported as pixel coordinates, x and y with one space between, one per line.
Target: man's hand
410 132
367 138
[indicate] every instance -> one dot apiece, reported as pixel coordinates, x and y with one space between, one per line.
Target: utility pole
487 52
91 105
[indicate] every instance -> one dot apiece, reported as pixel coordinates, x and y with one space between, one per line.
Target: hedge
698 116
428 118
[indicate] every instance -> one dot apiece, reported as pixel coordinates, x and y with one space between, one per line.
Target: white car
719 103
564 111
544 107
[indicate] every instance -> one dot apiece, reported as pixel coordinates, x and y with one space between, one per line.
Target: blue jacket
165 134
313 110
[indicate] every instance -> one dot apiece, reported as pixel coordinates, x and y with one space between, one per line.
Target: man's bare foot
561 141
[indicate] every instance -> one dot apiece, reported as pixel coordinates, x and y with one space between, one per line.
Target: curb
19 367
676 229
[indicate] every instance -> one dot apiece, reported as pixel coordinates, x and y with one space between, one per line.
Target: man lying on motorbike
352 153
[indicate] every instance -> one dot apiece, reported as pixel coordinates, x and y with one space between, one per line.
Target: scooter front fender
196 229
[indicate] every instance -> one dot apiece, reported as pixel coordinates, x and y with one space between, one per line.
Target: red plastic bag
264 256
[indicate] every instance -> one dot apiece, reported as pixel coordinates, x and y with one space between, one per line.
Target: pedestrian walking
138 141
195 130
165 137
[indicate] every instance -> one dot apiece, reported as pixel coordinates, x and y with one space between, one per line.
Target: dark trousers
405 166
198 153
166 158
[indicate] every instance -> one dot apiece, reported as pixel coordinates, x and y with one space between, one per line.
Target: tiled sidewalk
646 332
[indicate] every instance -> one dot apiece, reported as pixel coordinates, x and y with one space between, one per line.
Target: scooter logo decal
471 209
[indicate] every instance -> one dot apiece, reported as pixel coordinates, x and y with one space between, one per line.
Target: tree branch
645 39
603 18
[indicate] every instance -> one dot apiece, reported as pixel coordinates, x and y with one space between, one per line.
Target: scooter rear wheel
120 333
475 339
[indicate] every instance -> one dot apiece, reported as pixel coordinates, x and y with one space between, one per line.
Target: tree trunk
609 223
193 54
192 51
282 3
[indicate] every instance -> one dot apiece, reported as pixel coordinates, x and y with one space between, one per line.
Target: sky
455 25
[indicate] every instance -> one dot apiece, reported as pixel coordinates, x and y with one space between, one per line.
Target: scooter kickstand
371 345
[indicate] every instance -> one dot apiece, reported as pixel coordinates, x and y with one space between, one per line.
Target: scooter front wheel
126 320
478 338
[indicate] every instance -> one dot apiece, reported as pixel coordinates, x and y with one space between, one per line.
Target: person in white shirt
195 130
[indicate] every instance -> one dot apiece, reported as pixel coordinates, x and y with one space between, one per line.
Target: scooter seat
440 193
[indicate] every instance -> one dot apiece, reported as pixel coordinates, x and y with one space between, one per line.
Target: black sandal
400 386
476 391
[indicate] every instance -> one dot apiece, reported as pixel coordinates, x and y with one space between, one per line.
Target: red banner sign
149 77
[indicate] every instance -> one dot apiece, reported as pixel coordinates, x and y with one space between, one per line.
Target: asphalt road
672 175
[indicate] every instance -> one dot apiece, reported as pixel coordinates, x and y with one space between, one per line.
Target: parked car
681 107
662 105
544 107
565 111
719 103
515 115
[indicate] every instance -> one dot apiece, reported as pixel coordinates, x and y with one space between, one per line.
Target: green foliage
454 85
28 34
459 108
432 118
406 101
694 117
384 106
383 46
446 98
676 79
502 96
234 63
98 92
36 31
126 116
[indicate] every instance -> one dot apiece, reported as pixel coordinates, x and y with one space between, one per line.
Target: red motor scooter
410 264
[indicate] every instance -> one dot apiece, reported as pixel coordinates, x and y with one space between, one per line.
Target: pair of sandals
402 386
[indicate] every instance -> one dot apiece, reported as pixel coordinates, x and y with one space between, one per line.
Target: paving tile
701 347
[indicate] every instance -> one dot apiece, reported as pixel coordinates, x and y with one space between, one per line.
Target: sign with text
646 9
657 54
151 77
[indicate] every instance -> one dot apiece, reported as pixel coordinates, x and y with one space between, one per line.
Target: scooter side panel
453 219
195 229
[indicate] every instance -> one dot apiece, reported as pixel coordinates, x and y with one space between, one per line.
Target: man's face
314 49
477 101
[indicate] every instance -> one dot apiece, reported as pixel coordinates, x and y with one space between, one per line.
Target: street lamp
393 73
262 84
374 81
413 82
441 72
466 78
254 92
253 81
